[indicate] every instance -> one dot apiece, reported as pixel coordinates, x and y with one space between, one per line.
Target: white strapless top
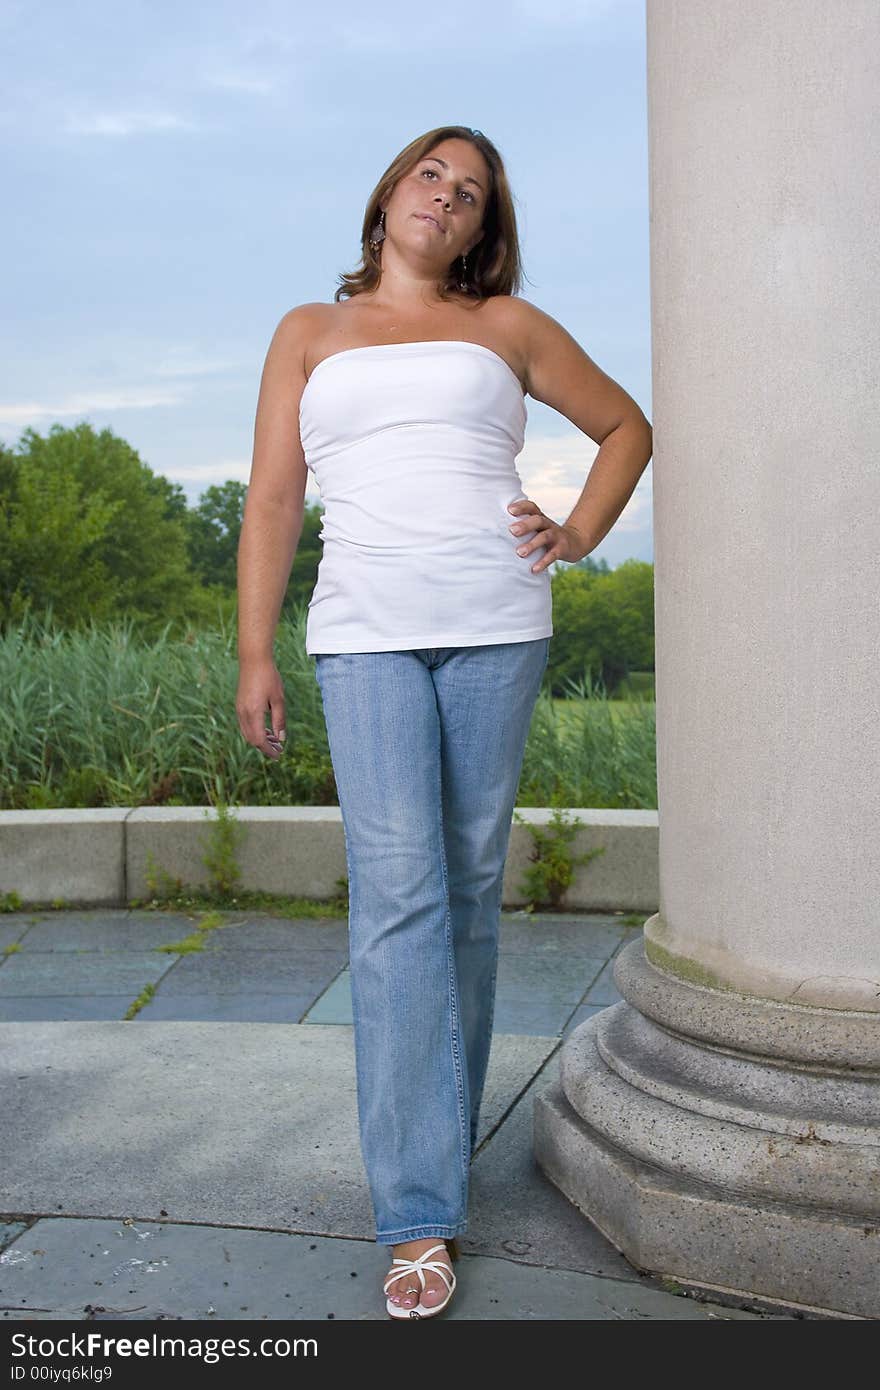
412 446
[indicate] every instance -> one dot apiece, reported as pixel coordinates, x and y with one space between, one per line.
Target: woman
430 624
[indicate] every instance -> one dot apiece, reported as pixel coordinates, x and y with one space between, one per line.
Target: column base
724 1170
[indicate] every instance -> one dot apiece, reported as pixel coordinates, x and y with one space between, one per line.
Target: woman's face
451 183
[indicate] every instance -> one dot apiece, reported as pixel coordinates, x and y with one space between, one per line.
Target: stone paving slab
237 932
531 933
93 972
143 1271
254 972
541 1017
212 1122
515 1211
580 1015
225 1008
603 990
10 1231
553 973
259 968
15 925
325 934
61 1008
544 1018
334 1005
531 996
112 933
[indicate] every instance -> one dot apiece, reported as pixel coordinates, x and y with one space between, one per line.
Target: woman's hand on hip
259 689
562 542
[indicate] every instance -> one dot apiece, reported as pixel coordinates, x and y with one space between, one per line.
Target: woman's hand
563 542
259 687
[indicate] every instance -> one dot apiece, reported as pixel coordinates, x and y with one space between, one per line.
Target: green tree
213 533
49 533
603 623
213 529
308 554
632 584
86 527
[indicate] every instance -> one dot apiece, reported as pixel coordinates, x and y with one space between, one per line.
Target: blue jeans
427 749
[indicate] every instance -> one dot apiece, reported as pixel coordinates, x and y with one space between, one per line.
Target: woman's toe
400 1298
435 1292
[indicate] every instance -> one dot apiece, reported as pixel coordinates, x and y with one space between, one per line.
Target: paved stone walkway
205 1167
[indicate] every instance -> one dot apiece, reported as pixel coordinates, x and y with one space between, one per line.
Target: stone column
722 1124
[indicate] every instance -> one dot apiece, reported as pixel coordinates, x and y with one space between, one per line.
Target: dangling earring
462 282
377 235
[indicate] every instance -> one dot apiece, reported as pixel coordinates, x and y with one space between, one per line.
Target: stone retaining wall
100 857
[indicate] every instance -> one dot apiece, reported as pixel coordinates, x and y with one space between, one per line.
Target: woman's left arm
560 374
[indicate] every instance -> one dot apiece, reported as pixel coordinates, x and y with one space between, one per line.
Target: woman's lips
426 217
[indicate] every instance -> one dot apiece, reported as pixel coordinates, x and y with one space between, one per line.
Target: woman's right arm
270 532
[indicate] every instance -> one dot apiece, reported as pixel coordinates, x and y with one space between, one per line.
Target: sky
178 176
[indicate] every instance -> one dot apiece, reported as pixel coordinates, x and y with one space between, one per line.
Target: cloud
178 364
554 469
212 474
23 413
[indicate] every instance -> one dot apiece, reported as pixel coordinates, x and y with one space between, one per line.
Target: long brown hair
494 264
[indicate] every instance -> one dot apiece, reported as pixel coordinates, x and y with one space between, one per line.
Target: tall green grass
101 717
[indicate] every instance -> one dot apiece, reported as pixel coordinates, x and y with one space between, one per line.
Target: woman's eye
465 191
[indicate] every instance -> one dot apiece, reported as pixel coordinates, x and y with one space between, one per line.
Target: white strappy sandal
416 1267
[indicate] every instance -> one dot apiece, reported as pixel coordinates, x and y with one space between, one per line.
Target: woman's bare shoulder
510 322
307 318
519 313
514 317
300 328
